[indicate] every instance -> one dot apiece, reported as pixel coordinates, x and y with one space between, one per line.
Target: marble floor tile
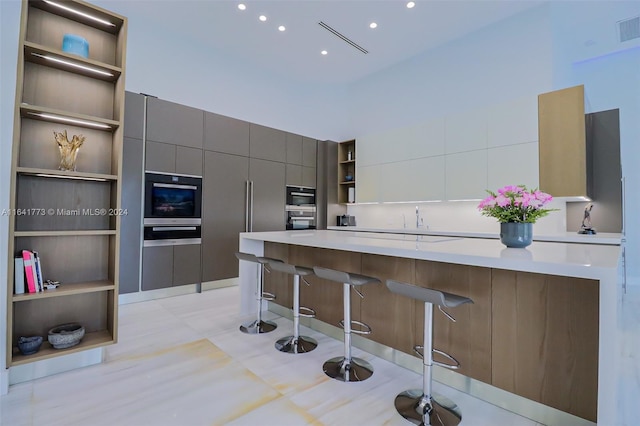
183 361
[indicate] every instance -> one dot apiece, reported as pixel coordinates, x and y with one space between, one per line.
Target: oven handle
174 228
173 242
174 186
302 194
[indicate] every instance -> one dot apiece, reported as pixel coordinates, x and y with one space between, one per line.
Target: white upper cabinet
466 175
513 165
466 132
368 183
513 122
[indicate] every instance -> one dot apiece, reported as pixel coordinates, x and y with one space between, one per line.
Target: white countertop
595 261
566 237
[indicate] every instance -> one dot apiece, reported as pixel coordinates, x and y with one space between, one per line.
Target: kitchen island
538 340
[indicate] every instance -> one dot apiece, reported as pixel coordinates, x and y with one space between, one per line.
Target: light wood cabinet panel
173 123
380 305
325 297
294 149
467 339
189 161
547 348
466 175
160 157
267 144
226 134
513 165
562 145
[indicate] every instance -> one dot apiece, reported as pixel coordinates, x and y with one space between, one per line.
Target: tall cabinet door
223 213
269 196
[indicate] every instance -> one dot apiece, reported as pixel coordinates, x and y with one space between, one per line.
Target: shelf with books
66 290
71 199
91 340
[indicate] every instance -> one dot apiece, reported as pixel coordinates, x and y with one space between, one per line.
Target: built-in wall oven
300 210
172 209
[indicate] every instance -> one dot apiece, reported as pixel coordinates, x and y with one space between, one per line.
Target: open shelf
112 22
53 58
89 341
67 290
49 173
46 114
83 233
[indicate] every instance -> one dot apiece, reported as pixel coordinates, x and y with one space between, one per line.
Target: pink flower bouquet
515 203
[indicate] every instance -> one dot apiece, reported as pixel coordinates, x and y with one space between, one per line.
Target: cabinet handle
251 201
246 206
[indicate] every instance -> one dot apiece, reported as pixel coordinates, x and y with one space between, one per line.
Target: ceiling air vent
343 38
629 29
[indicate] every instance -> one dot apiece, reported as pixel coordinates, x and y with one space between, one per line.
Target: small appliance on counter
346 220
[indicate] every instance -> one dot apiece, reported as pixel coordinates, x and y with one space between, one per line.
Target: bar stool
422 406
347 368
296 344
258 326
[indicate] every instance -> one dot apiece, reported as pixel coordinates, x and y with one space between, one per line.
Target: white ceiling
295 53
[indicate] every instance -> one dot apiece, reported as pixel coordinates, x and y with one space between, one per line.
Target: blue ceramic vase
515 234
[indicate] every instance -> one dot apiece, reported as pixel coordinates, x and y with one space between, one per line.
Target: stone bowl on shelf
29 345
66 335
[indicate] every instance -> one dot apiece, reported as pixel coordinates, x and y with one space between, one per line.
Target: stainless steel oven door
300 217
171 235
301 196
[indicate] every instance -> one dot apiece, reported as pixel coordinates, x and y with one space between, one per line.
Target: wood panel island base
534 341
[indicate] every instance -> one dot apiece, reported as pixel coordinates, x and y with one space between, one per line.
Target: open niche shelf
346 171
68 213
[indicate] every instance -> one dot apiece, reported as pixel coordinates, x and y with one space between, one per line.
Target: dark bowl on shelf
66 335
29 345
348 178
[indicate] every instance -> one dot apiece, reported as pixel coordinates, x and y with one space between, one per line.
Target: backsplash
460 216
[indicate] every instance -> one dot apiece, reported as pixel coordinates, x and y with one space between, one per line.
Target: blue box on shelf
77 45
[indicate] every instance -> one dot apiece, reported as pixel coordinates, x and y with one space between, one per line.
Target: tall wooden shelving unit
59 91
346 167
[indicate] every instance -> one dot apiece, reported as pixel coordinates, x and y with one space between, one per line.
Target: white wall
10 24
190 73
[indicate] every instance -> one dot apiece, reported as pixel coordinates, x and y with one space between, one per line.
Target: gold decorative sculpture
68 150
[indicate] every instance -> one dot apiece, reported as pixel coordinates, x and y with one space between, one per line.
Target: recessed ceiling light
324 52
281 28
411 4
373 25
262 18
242 6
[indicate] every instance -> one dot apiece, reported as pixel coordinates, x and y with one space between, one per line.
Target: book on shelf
18 270
38 271
29 270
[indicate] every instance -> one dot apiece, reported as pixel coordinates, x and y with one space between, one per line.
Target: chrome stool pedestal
296 344
422 406
259 326
347 368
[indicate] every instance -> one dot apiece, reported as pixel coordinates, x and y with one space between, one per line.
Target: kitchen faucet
417 216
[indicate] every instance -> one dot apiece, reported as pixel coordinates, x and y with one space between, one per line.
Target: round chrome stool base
258 327
291 346
355 371
413 405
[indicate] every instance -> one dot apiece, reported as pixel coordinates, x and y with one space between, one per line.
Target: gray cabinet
157 267
133 115
224 198
294 149
130 224
309 152
267 143
309 176
189 161
294 175
186 264
269 197
160 157
226 134
173 123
